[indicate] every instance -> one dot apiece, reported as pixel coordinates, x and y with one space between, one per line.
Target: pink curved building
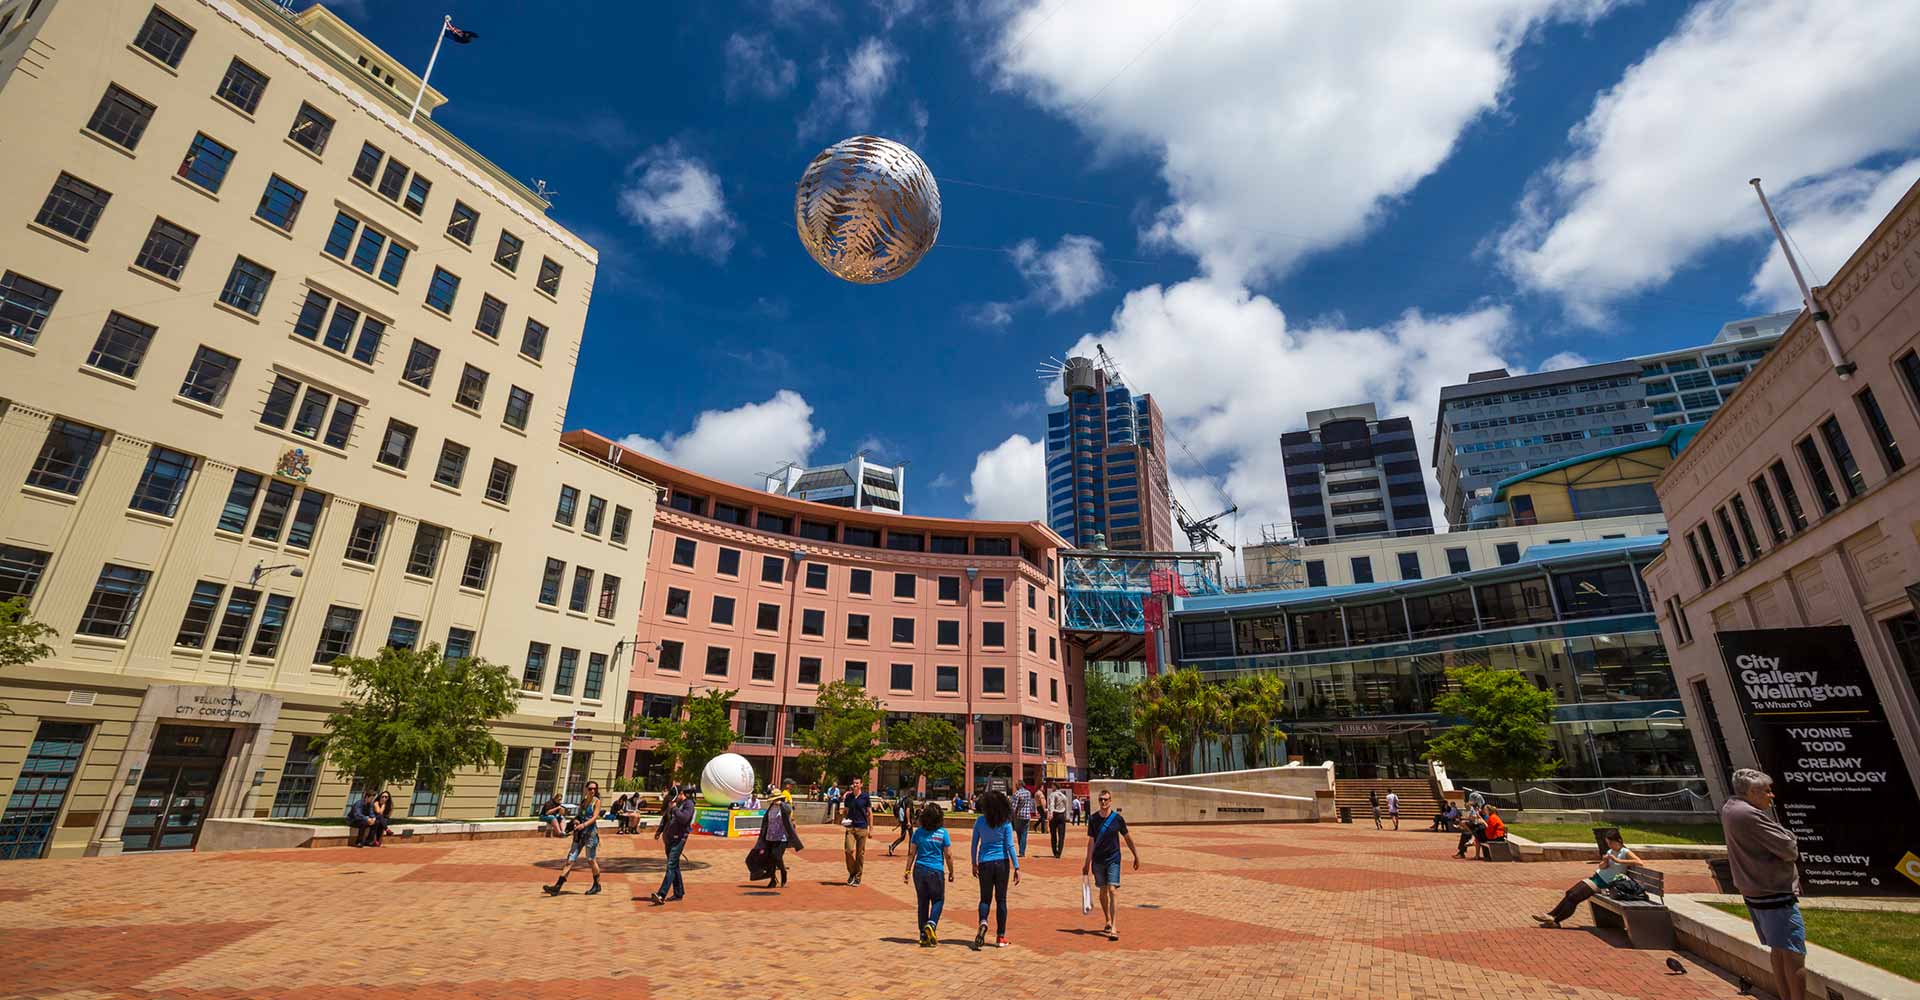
773 596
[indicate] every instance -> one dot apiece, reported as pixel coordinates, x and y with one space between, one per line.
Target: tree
20 635
929 747
1503 729
689 743
414 715
844 742
1255 701
1112 748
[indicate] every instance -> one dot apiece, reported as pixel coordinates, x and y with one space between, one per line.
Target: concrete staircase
1417 798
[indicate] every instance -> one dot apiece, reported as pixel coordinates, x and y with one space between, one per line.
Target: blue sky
1260 208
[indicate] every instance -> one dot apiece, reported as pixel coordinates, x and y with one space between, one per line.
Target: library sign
1839 782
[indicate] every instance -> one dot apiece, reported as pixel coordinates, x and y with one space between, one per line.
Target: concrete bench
1497 850
1648 923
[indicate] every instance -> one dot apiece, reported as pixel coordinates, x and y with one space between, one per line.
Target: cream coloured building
282 378
1419 557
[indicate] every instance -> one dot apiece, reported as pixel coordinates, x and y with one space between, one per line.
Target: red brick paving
1248 911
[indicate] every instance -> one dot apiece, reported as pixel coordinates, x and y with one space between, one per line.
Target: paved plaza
1245 911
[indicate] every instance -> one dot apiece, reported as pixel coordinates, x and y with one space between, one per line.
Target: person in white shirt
1393 808
1059 803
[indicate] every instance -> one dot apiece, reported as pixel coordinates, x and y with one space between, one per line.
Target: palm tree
1199 707
1257 700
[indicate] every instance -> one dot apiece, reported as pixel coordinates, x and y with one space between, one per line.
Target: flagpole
446 20
1841 366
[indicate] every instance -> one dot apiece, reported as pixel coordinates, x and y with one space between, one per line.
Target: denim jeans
672 879
930 893
1020 831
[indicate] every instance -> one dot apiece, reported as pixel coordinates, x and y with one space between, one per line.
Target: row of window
568 508
813 622
809 669
565 671
848 534
993 589
1458 561
553 577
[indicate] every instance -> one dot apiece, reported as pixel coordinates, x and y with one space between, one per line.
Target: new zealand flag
462 37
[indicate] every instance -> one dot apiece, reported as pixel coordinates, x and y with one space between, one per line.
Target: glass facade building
1106 464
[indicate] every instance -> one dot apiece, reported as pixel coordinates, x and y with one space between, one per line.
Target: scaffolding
1274 562
1106 591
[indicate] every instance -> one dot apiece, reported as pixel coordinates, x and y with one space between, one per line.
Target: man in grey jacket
674 829
1764 855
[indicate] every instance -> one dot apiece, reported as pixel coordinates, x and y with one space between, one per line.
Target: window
206 163
1733 541
813 621
393 180
1316 573
1033 641
949 592
506 253
568 504
422 358
993 590
73 207
856 673
416 199
549 280
500 481
1509 553
819 531
246 287
1514 603
550 586
1850 477
1053 649
472 390
816 576
533 341
337 333
903 584
993 635
1712 549
1699 563
809 670
65 457
242 86
683 552
722 611
479 563
272 519
164 37
1033 597
459 644
461 223
365 254
773 569
993 680
1796 517
273 625
367 167
442 289
857 627
563 674
1457 561
860 581
1817 471
198 620
609 596
946 679
425 553
163 482
20 571
452 466
763 666
717 657
311 128
293 796
24 305
1362 569
369 526
536 669
867 537
116 599
946 632
492 313
120 118
677 601
166 250
903 630
280 203
241 603
121 346
397 446
1746 526
582 589
519 407
670 653
1775 529
622 521
900 677
1033 685
239 505
1882 434
596 675
306 518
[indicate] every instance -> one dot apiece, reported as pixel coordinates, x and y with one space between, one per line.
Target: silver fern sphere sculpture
867 209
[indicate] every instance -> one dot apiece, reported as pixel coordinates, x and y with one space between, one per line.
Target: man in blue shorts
1764 855
1106 830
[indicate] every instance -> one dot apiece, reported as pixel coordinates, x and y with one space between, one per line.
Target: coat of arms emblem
293 465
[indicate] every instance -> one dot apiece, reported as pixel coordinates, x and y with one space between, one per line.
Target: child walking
932 858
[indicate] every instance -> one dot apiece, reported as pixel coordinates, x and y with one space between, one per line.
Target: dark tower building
1351 473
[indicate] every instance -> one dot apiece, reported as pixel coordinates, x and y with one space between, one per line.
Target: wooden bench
1648 924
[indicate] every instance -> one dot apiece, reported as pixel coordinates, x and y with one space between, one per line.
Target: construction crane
1199 532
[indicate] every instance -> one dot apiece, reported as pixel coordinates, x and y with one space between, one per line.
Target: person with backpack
905 816
932 857
1613 865
995 859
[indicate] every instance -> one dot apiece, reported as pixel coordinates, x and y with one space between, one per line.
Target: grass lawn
1882 939
1644 833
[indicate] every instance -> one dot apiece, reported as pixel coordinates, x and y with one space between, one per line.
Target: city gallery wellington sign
1819 729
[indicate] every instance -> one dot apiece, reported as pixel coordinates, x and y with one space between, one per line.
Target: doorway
176 789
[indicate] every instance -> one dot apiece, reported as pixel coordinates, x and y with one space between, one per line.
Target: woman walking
1373 802
1613 865
776 834
586 840
932 856
994 858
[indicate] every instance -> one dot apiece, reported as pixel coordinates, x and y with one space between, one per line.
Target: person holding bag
995 857
586 841
1106 830
777 833
1613 865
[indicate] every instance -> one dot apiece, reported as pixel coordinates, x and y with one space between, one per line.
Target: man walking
1059 803
1105 831
1023 810
674 829
1393 808
857 806
1763 855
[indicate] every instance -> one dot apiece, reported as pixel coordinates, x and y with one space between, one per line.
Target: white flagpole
446 21
1841 366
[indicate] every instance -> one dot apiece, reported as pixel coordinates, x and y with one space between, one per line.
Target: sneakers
980 938
1000 942
928 937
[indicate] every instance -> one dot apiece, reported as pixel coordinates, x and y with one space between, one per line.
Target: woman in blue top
994 856
932 855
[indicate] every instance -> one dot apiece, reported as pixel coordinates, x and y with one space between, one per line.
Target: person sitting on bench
1613 864
1446 821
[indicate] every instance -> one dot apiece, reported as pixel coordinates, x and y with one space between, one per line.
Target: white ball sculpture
867 209
727 779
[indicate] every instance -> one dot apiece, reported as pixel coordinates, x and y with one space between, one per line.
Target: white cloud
678 199
1009 481
1064 276
1564 359
941 482
1829 220
1784 90
993 314
739 444
1282 128
849 92
754 66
